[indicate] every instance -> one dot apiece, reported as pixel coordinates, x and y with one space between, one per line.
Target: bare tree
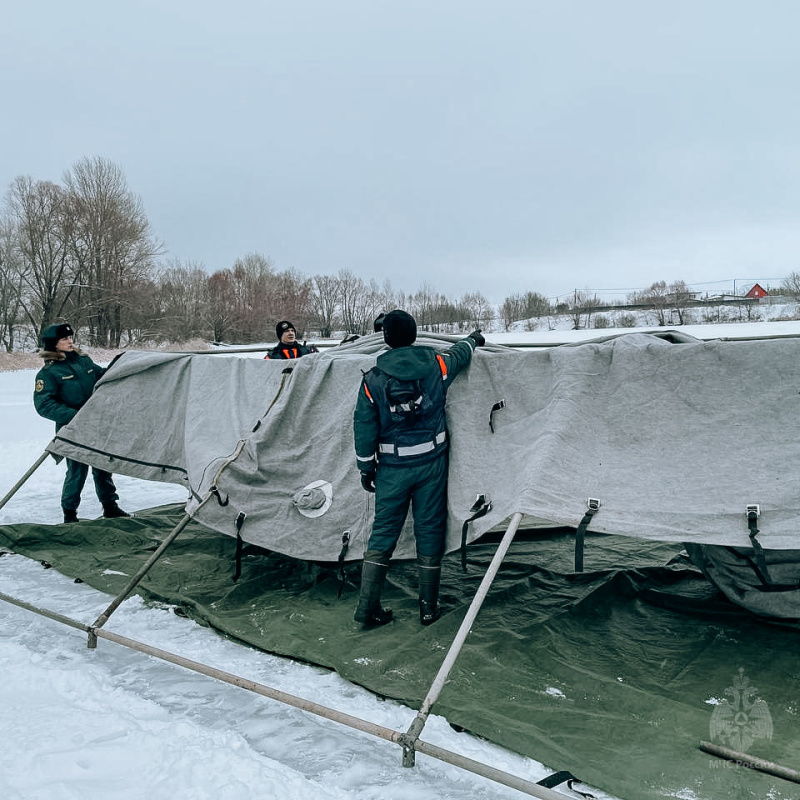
251 277
791 285
221 305
110 242
324 303
656 297
289 297
667 302
38 216
479 311
582 307
525 306
680 295
357 303
10 284
511 310
177 301
423 306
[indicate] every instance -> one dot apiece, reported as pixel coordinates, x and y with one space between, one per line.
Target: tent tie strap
753 512
496 407
342 554
564 776
593 506
237 572
215 491
285 373
480 508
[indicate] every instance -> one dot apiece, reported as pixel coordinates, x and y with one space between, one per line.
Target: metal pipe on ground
388 734
751 762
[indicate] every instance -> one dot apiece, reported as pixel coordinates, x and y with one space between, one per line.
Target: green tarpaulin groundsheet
615 674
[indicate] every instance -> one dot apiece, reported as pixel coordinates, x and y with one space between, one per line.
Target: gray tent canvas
673 439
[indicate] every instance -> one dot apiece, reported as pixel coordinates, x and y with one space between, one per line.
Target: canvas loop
480 508
580 533
342 554
500 404
239 544
753 512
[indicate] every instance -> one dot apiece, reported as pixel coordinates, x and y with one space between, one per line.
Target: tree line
83 250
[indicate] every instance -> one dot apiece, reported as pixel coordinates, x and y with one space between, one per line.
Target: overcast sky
497 146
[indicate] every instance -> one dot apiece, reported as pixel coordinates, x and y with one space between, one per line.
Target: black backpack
405 399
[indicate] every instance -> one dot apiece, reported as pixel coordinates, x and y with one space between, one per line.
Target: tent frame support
19 484
433 751
134 581
143 570
410 739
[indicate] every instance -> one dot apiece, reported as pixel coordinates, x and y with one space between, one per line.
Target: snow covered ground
114 724
111 723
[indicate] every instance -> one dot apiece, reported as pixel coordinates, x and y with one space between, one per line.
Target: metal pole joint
409 751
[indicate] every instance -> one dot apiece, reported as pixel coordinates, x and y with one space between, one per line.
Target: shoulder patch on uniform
39 385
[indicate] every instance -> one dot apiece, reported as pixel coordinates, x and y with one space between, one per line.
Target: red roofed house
757 292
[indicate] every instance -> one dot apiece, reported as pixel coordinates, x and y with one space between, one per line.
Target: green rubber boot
430 573
373 574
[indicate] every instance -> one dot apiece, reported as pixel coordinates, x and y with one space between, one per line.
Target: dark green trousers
75 481
424 489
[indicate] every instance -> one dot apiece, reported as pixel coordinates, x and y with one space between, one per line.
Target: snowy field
113 724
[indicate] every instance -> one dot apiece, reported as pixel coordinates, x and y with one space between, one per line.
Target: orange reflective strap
442 366
366 389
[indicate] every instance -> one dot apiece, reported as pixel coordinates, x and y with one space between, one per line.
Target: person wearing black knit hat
288 346
63 385
401 442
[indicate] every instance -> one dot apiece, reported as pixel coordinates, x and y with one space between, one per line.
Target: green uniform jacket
404 363
64 384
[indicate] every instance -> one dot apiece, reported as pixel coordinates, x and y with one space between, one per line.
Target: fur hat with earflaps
51 335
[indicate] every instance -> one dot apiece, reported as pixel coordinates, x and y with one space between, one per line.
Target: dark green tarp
613 674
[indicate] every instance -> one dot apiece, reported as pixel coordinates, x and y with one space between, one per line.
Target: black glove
477 337
368 480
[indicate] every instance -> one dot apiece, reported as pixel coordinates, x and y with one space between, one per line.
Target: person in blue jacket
63 385
401 442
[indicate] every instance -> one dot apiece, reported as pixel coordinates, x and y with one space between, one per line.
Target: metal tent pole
379 731
410 738
18 485
145 568
212 492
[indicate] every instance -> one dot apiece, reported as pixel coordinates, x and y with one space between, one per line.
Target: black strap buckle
500 404
342 554
593 506
480 508
241 517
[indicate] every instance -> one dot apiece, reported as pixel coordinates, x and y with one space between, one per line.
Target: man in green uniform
63 385
401 448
